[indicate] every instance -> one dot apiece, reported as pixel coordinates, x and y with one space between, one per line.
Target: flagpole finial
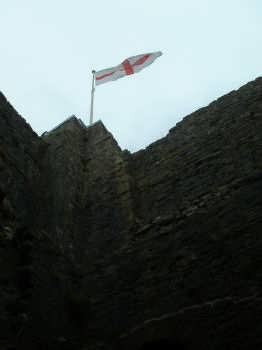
93 71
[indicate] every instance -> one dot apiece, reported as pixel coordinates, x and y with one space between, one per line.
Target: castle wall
128 249
19 172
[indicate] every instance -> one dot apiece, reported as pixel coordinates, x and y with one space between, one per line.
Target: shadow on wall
163 344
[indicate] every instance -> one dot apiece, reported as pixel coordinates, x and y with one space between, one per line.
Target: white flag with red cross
129 66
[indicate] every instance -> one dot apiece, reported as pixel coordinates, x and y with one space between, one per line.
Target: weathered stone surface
19 173
103 249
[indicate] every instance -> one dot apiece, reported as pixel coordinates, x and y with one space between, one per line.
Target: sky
48 49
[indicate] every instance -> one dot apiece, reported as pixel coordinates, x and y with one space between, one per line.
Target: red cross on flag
130 66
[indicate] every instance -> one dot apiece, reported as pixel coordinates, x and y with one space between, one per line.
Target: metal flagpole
92 98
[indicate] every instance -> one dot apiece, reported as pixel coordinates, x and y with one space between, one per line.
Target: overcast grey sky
49 47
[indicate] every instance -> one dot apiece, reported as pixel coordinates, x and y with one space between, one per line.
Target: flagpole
92 98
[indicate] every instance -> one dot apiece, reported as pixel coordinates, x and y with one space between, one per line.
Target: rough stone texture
19 173
103 249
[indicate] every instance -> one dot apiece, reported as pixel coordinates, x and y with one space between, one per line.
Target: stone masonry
159 249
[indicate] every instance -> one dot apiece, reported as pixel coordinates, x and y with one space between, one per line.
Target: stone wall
19 172
160 248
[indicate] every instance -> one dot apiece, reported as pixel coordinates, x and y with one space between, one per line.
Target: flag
129 66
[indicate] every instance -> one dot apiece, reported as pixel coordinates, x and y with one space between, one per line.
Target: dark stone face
103 249
162 344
